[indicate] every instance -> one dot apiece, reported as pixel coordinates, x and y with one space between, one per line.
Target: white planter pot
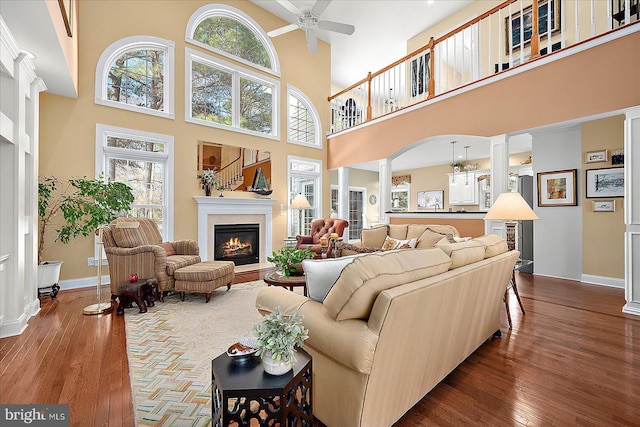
49 273
274 367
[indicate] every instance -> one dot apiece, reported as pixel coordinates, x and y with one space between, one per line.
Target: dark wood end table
276 279
142 292
243 394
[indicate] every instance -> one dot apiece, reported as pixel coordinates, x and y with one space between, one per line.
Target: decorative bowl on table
242 350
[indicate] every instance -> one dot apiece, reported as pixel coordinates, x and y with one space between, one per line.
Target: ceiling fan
309 20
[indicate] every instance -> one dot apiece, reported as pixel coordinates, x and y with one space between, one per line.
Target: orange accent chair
319 228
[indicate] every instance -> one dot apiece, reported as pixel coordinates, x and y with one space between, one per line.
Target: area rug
170 349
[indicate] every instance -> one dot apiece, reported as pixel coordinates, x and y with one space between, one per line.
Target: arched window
227 31
303 121
136 73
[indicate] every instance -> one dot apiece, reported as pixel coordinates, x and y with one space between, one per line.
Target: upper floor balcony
494 44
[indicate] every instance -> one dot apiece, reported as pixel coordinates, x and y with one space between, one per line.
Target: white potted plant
278 335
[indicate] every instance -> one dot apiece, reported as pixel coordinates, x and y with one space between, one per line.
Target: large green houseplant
78 206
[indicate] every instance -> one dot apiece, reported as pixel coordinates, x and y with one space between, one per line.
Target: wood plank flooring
573 359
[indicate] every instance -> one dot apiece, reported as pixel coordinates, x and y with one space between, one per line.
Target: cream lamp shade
300 202
511 207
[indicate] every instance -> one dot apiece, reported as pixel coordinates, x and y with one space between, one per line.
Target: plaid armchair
141 251
321 227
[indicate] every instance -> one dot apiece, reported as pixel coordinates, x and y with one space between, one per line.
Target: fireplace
239 243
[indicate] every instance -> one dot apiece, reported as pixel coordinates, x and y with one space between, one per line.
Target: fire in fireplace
237 242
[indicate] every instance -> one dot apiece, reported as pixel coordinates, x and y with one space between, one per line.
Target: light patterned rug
170 349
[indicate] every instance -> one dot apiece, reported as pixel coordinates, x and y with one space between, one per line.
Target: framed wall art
66 8
596 156
557 188
420 74
431 199
603 205
606 182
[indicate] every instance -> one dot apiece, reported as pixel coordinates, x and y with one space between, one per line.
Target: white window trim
297 93
315 175
237 73
211 10
118 49
103 131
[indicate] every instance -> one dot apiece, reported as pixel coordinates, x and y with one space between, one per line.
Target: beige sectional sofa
374 239
395 323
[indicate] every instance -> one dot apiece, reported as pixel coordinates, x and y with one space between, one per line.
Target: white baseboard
602 281
631 308
16 327
82 283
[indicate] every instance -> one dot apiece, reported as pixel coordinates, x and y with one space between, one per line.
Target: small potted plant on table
288 260
278 335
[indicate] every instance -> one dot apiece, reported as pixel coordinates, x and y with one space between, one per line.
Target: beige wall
602 229
67 126
68 45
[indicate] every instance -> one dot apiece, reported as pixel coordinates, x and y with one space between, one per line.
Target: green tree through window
136 78
231 36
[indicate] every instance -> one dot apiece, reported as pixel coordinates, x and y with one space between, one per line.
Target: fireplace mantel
229 210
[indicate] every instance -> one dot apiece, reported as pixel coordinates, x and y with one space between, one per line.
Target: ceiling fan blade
338 27
319 7
290 7
312 41
279 31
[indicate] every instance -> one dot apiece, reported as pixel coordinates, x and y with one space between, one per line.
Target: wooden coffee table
276 279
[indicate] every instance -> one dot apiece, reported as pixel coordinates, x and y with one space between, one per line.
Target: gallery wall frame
603 205
420 74
558 188
596 156
433 199
66 8
604 182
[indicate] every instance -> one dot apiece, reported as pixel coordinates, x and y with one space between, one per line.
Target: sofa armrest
186 247
349 342
146 261
304 240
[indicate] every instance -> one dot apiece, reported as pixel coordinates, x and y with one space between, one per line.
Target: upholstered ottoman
204 277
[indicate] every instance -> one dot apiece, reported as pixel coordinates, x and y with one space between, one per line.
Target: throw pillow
390 244
429 238
373 237
494 245
168 248
321 274
345 249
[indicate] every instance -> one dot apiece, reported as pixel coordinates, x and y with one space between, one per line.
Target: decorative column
384 177
499 156
632 211
343 198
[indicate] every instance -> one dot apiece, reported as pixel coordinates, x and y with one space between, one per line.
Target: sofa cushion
463 253
359 284
390 244
398 231
494 245
416 230
429 238
175 262
373 237
321 274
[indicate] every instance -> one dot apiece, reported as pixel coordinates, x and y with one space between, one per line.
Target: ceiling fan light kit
309 21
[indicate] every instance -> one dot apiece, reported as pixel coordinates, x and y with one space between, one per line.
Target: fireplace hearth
239 243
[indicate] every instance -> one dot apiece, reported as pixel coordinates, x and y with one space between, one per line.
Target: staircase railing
230 176
488 44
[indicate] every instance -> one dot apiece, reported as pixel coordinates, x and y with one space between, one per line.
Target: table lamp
300 202
511 208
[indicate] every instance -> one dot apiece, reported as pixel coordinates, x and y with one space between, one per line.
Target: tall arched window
227 31
303 121
136 73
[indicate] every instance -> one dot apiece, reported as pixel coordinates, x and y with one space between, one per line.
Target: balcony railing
510 34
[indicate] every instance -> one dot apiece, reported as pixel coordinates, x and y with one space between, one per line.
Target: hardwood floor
573 359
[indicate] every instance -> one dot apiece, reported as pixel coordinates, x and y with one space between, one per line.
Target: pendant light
466 166
453 161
